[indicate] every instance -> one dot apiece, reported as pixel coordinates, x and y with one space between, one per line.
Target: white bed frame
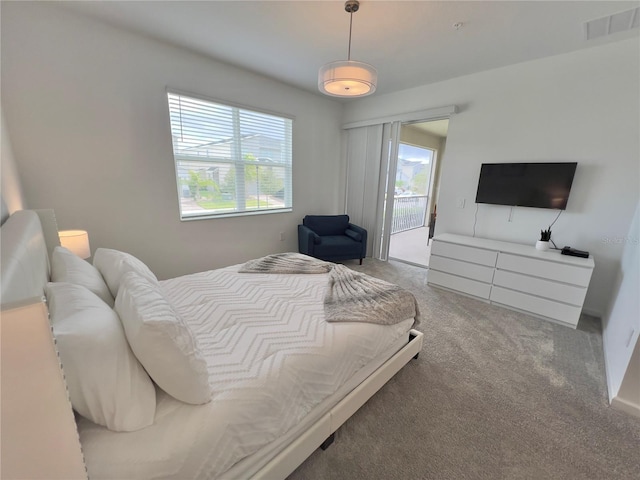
29 236
299 450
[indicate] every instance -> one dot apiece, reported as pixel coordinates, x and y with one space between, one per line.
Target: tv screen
542 185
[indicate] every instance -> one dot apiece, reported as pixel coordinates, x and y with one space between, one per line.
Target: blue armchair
331 237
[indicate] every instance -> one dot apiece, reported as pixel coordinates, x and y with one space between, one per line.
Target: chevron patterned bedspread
271 358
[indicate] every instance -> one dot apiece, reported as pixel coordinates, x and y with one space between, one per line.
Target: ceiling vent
619 22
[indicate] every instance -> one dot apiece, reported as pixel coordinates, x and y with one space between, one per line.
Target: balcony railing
409 211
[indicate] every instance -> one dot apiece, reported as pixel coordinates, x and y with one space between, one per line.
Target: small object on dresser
574 252
545 235
543 243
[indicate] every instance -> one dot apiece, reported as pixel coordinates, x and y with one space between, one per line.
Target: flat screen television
541 185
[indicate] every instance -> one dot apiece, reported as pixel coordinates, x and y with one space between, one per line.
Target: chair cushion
337 246
327 224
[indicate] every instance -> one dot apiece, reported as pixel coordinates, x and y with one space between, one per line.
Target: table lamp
77 241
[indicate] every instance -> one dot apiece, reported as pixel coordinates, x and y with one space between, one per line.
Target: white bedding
272 361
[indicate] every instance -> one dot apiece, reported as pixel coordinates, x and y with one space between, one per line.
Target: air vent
619 22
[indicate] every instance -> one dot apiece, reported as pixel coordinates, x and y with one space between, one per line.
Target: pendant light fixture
348 78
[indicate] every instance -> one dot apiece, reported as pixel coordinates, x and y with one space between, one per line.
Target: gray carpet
494 395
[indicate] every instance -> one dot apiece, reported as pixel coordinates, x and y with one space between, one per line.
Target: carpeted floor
494 395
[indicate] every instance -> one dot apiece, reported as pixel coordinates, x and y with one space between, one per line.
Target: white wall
86 108
581 106
10 186
621 324
415 136
628 398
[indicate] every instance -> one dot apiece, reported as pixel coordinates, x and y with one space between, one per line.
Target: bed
283 379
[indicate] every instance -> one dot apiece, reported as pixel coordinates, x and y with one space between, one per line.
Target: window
229 160
411 196
414 170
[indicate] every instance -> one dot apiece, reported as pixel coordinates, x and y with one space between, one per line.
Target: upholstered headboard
24 258
4 211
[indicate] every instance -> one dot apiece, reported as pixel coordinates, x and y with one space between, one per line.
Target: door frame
389 158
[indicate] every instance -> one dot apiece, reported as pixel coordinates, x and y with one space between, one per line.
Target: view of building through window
414 170
229 160
411 197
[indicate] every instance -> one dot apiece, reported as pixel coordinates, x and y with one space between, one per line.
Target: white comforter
271 359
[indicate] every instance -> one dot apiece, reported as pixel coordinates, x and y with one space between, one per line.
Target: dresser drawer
558 272
460 284
462 269
540 287
465 254
561 312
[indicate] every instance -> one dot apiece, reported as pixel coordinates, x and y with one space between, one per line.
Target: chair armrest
307 238
359 230
362 232
353 235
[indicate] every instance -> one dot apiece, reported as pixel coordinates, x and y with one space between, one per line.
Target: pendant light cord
350 27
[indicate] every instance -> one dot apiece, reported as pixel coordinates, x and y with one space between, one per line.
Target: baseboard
606 369
626 406
593 313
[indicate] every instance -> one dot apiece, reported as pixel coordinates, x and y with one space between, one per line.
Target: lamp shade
77 241
347 78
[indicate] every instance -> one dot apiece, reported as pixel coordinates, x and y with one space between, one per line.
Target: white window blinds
229 160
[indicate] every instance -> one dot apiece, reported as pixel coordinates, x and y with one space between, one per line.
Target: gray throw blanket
286 263
351 296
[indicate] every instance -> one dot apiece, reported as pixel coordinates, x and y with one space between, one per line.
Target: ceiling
411 43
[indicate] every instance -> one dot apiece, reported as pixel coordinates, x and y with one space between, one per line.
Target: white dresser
544 284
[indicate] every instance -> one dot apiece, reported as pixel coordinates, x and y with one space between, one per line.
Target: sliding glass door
377 181
409 230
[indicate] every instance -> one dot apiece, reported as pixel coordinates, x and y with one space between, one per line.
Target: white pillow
161 340
66 266
106 382
112 264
